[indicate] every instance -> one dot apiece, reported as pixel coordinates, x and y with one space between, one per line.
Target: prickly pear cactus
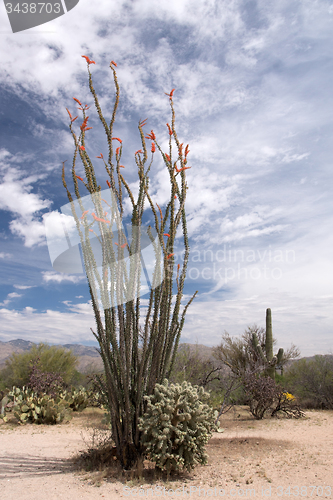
268 358
27 406
78 399
176 426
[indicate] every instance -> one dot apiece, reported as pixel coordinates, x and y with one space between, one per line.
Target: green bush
48 359
176 426
311 380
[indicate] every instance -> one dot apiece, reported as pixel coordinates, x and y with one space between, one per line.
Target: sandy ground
275 458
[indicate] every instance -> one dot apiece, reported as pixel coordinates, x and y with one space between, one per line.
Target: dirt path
250 459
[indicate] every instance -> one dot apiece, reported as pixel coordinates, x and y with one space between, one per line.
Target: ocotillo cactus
269 359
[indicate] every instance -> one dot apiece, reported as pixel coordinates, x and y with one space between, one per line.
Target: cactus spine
268 358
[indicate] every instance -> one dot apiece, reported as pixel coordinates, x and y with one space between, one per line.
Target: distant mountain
25 345
89 360
82 350
8 348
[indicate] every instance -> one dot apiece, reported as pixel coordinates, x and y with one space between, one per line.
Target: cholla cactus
176 426
135 356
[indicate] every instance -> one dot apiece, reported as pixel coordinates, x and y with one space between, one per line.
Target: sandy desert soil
275 458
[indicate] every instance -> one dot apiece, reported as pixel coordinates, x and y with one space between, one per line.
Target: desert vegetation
198 383
161 402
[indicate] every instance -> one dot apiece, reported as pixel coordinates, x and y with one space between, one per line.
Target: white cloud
252 98
16 198
4 255
23 287
49 326
9 299
295 319
32 231
59 278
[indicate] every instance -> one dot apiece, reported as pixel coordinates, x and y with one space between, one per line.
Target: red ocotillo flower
99 219
187 151
153 148
79 177
117 150
72 119
170 131
151 136
114 64
171 93
117 139
84 213
138 151
166 234
77 101
121 166
167 157
101 156
89 61
84 123
108 183
142 123
170 255
82 148
180 169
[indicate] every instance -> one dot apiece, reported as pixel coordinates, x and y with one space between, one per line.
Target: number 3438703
33 8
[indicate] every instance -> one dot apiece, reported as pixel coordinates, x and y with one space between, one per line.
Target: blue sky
253 99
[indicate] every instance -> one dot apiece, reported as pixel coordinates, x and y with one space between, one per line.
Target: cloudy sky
253 99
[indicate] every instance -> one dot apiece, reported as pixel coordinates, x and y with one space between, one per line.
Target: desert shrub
312 381
240 355
191 366
44 382
176 426
265 395
48 359
261 394
286 404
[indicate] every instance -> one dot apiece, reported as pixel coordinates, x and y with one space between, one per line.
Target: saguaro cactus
268 358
